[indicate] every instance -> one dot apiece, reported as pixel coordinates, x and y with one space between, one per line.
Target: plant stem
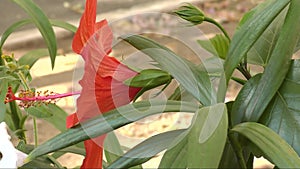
210 20
238 150
35 132
244 71
23 80
54 161
16 120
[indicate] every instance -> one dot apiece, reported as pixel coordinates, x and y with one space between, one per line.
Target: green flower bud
191 13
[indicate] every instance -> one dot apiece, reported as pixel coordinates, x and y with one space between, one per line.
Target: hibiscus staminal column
30 98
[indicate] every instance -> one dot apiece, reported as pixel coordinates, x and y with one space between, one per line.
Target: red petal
110 90
72 120
94 154
86 26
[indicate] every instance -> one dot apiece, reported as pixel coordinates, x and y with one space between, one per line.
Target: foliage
263 120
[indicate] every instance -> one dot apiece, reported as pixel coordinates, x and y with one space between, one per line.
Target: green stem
16 118
54 161
244 71
23 80
210 20
35 132
238 150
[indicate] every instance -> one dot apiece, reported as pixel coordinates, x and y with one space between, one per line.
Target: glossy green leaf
249 33
218 45
109 121
191 77
283 113
207 137
42 23
271 144
202 145
11 29
241 103
32 56
278 66
146 150
64 25
3 92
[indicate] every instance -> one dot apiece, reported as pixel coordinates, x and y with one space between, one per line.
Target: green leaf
202 145
271 144
149 78
146 150
3 92
58 119
39 111
11 29
261 51
239 106
24 22
207 137
32 56
50 113
218 45
191 77
249 33
42 23
176 156
112 148
109 121
278 65
64 25
282 114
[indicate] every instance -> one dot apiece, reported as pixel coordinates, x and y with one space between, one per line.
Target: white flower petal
10 156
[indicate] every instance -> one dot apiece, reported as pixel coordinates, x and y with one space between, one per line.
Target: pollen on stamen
28 98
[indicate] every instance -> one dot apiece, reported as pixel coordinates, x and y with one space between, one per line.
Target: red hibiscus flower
102 83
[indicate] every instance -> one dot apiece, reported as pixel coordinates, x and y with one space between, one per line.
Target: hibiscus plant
263 120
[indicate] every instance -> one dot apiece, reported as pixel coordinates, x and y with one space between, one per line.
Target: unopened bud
191 13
